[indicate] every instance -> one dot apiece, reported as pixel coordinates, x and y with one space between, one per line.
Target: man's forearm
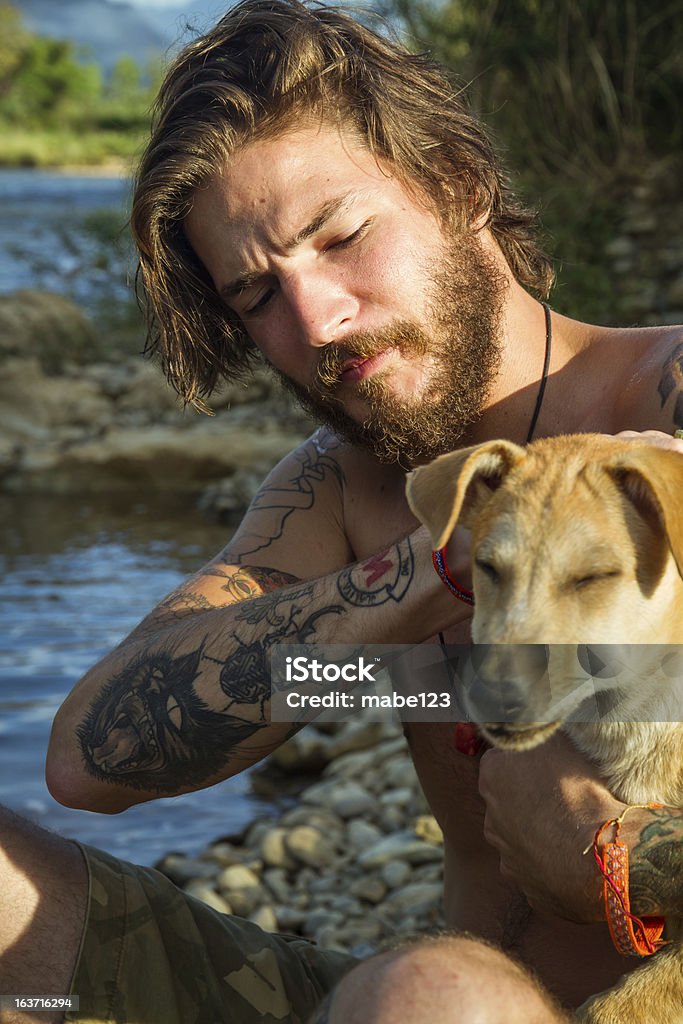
184 703
656 863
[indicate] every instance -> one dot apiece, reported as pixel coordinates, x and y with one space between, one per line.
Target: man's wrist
655 840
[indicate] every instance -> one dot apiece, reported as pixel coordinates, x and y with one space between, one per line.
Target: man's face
381 324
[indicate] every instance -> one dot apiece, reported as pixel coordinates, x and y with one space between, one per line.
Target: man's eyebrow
326 212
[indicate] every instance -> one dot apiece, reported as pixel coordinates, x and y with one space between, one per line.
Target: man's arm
183 702
542 850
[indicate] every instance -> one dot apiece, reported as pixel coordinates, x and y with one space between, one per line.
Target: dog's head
575 540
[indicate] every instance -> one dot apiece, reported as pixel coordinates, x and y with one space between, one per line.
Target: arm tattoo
672 381
656 866
150 729
316 465
384 577
247 582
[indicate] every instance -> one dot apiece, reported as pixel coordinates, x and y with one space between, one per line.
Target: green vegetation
582 96
55 106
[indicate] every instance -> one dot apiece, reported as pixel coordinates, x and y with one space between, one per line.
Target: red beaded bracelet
441 565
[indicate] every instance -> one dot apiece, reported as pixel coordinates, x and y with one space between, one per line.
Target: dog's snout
502 682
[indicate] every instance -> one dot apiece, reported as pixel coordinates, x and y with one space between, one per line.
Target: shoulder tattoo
671 382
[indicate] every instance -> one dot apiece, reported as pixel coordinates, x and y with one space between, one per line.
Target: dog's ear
652 478
453 484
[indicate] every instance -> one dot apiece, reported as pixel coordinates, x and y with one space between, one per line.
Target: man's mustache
407 337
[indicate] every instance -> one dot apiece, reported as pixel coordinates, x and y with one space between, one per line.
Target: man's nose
324 309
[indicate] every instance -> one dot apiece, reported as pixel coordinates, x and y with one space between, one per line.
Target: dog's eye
488 569
596 577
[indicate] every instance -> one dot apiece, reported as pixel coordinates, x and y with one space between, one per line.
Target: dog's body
579 541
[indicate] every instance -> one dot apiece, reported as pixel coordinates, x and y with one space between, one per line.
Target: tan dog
579 540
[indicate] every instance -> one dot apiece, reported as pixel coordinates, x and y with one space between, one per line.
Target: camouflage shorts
152 955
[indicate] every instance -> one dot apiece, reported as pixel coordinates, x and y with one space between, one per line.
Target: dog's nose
506 682
499 701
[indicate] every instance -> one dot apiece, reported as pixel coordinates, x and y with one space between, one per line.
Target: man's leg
439 980
43 899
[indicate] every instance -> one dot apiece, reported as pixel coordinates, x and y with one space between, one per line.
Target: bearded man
316 196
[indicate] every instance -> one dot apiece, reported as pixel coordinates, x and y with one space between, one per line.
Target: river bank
77 419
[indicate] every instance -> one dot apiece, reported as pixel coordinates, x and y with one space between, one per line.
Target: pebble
356 861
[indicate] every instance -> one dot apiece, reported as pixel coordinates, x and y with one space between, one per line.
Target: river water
76 576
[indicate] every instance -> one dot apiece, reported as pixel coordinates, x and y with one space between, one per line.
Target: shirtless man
316 195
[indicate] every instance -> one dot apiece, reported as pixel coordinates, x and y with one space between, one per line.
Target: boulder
48 327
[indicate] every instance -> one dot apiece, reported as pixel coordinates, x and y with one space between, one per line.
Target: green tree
583 96
41 80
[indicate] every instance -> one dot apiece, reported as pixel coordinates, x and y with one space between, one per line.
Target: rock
182 869
345 799
289 918
48 327
370 888
395 873
427 827
223 854
359 931
361 834
358 734
208 895
238 877
400 774
274 851
319 919
309 846
324 820
402 845
265 918
242 889
276 880
306 751
416 898
396 797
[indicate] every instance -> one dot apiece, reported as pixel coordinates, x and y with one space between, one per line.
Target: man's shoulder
653 396
353 466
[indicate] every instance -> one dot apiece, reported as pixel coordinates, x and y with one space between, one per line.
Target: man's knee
441 978
43 901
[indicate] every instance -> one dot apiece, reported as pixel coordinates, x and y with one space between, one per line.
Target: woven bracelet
631 935
441 566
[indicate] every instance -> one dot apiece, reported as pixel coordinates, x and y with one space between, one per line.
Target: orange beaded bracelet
631 935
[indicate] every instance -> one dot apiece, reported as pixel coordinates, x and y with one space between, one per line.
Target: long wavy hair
267 66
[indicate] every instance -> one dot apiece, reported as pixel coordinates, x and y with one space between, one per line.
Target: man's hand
543 807
654 437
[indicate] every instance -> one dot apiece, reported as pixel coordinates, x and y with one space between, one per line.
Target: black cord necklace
544 375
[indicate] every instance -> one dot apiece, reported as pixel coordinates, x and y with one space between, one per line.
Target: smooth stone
310 846
427 827
274 851
416 898
395 873
371 889
201 890
400 846
265 918
362 834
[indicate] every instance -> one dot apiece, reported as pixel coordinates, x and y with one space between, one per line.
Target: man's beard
461 354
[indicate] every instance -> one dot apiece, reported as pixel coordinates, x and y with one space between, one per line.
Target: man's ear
652 478
454 485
